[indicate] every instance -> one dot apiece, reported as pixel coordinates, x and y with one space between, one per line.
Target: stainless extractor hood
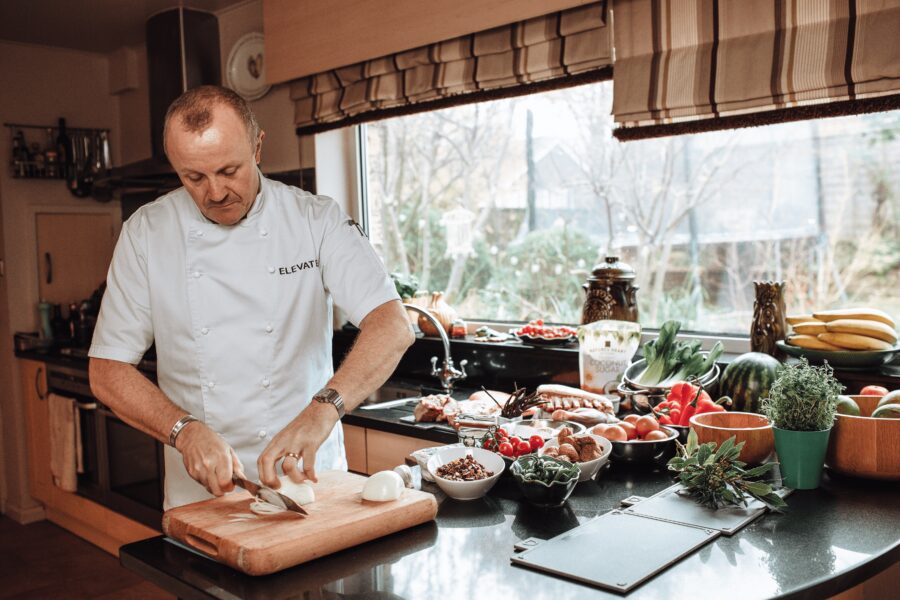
182 53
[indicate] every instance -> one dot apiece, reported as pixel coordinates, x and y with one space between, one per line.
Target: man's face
217 165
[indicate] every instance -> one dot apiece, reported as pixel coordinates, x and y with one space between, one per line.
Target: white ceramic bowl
466 490
588 469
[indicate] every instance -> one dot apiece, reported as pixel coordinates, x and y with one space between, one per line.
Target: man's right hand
207 458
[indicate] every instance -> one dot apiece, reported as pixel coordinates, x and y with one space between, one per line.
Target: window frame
733 344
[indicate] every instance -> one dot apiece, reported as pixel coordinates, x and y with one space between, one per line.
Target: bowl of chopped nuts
587 450
465 473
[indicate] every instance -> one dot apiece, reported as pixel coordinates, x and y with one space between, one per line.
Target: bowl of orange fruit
639 439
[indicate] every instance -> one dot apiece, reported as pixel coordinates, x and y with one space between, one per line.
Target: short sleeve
351 270
124 329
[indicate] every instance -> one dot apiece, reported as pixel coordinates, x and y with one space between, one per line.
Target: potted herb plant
802 404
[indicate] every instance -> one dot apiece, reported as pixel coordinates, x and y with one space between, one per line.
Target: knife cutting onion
301 493
383 486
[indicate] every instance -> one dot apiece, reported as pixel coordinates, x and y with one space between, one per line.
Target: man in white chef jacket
234 277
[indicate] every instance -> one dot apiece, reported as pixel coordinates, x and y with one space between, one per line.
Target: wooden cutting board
225 529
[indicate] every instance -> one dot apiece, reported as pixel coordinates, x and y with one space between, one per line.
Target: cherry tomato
506 449
514 440
535 442
523 448
488 444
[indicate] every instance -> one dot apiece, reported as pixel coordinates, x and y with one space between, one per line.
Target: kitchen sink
391 391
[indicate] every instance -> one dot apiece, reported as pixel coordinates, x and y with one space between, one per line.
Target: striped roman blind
692 65
560 49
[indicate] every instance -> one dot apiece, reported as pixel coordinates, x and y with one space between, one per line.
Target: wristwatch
331 396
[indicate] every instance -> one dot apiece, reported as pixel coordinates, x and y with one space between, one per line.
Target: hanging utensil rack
88 153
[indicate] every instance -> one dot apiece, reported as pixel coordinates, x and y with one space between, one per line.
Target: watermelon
891 398
846 406
888 411
747 381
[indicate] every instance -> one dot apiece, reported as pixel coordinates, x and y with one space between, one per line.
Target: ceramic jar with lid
610 293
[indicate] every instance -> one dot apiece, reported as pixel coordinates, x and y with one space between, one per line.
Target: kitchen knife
269 495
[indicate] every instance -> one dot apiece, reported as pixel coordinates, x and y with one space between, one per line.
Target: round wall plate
245 70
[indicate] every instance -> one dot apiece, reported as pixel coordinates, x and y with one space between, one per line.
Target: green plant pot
802 456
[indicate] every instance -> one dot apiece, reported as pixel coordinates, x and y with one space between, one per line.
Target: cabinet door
384 451
37 416
355 448
74 252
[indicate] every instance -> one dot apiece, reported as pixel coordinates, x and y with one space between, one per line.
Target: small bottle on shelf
19 154
63 150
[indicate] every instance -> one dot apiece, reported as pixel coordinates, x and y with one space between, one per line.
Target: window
507 205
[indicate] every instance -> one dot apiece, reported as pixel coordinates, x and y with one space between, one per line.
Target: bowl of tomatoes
510 447
639 439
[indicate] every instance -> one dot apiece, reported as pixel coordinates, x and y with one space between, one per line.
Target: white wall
37 86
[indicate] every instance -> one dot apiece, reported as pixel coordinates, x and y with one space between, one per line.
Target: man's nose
217 191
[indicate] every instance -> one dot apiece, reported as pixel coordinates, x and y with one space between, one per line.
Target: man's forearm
385 335
133 397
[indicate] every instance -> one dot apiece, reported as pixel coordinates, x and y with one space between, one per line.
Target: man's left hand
302 437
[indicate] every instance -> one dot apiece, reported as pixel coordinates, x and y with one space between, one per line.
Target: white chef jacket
241 314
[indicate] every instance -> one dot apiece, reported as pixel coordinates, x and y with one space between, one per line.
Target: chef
234 277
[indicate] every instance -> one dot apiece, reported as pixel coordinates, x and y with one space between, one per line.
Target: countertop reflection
829 540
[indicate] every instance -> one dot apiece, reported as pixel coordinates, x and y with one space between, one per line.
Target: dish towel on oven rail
63 454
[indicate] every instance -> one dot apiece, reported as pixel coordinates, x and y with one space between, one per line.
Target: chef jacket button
204 330
269 329
262 434
196 274
263 232
211 384
199 233
266 382
271 269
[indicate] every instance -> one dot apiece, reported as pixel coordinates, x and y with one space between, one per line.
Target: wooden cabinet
384 451
369 450
74 252
37 418
355 448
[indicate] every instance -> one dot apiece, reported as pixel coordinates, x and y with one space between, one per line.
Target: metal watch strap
178 426
333 397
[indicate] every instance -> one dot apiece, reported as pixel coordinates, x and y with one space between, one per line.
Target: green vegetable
716 477
536 468
803 398
670 361
407 285
747 380
890 398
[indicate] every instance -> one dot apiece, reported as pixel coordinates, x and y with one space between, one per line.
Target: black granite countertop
831 539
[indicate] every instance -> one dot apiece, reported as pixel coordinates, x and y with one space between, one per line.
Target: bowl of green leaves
668 360
545 481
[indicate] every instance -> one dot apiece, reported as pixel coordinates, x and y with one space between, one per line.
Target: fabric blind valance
693 65
556 50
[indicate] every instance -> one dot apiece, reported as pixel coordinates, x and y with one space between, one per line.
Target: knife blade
269 495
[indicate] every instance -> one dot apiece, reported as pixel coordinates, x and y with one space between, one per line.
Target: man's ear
262 135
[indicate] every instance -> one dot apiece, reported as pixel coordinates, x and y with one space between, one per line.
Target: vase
801 455
768 318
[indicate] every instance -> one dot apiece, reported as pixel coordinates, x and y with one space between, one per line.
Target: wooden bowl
752 429
865 447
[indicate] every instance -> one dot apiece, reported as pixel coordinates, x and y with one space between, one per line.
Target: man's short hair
194 110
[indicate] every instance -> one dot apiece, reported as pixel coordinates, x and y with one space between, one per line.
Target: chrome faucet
449 373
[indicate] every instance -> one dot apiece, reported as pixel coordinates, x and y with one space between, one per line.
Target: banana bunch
844 329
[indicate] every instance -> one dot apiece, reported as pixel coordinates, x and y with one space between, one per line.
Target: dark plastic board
578 554
667 505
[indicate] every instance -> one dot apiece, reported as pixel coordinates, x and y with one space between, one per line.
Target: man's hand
302 437
208 458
